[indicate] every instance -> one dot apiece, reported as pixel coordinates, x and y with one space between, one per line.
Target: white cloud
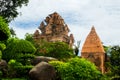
37 9
80 15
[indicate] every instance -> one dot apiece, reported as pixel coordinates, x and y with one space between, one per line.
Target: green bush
59 50
15 48
76 69
2 46
4 30
25 59
12 64
16 69
23 71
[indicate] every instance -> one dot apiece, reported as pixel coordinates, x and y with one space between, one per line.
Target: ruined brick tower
93 50
53 29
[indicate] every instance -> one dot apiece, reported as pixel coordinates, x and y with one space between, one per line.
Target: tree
18 50
77 48
115 60
8 8
76 69
12 32
29 37
59 50
4 30
107 59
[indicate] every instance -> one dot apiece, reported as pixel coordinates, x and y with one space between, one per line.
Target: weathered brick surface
93 50
53 29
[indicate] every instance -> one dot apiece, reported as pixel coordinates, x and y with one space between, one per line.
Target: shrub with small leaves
15 48
2 46
76 69
16 69
12 64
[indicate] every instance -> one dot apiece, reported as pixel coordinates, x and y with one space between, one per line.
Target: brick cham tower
54 29
93 50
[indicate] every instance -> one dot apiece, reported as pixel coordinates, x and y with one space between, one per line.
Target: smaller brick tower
93 50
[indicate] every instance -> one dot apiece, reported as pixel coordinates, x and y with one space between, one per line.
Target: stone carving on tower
93 50
53 29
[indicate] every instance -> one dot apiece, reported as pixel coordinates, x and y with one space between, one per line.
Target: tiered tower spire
53 29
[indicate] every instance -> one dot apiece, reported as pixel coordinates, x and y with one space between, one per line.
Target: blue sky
79 15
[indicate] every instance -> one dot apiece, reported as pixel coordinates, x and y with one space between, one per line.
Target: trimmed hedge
16 69
15 48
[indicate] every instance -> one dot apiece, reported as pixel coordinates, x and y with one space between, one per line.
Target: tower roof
92 43
54 18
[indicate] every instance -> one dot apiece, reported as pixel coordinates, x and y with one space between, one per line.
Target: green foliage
15 79
29 37
2 46
0 55
16 69
113 64
1 75
13 63
115 60
12 66
15 48
25 47
77 69
59 50
76 49
25 58
23 71
12 31
4 30
8 9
